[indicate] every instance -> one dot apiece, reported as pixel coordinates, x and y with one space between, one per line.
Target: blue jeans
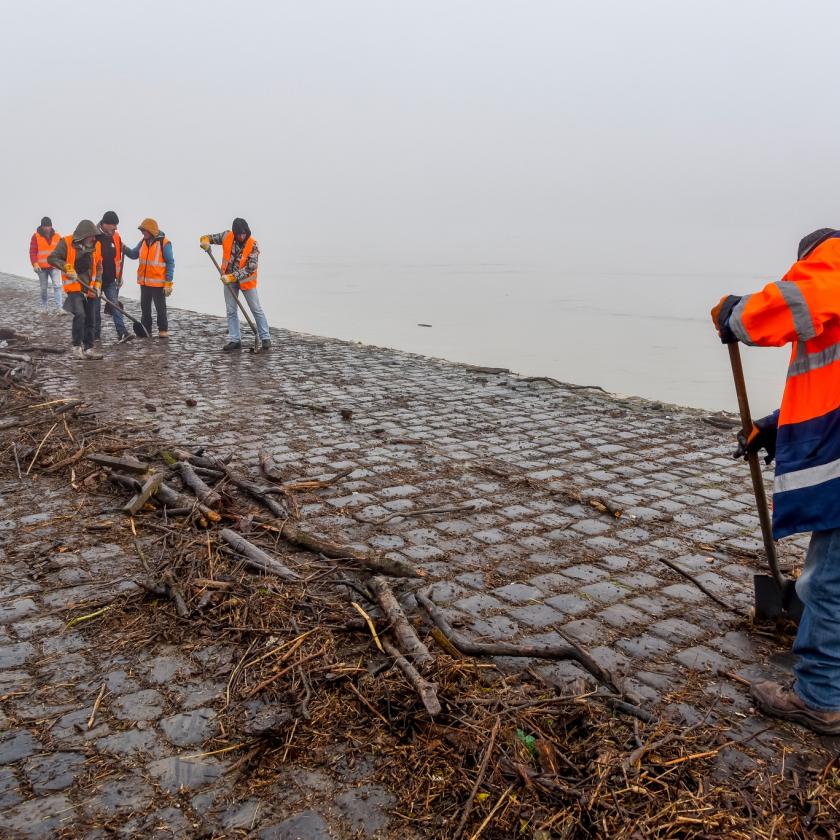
253 302
818 641
44 276
111 293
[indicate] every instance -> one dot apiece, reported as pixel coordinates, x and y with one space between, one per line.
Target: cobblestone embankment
528 564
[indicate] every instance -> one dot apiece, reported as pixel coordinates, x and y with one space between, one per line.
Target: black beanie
240 226
809 242
46 222
109 217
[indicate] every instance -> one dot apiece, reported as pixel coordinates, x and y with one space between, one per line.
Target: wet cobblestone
527 564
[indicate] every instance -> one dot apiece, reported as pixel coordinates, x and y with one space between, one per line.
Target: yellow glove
167 289
96 286
227 279
204 242
70 272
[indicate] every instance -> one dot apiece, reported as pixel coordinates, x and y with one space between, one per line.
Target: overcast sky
624 136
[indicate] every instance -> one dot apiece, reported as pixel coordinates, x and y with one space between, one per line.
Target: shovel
775 595
257 343
139 329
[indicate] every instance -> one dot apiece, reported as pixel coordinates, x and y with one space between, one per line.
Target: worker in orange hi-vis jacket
803 309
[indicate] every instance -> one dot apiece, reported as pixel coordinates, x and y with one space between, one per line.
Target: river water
633 334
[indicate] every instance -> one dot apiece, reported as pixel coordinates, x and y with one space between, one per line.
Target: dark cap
109 217
46 222
240 226
809 242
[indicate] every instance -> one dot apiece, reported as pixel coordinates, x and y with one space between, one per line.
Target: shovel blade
772 602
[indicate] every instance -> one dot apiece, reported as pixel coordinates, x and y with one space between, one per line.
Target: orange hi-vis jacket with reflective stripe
95 260
151 270
803 308
249 282
45 248
118 255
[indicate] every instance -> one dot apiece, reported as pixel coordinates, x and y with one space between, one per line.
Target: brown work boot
783 702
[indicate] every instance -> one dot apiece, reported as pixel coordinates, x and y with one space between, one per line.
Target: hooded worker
240 256
155 274
41 246
78 259
802 309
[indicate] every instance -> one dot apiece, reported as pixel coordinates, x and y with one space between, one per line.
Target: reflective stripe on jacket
803 309
117 255
95 259
151 270
249 282
45 248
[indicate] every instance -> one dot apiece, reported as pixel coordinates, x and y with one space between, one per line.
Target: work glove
228 279
720 318
167 289
204 242
35 267
762 435
96 288
70 272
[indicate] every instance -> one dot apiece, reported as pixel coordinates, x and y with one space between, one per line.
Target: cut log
150 487
367 558
426 690
268 468
256 557
178 501
205 494
407 639
127 463
568 651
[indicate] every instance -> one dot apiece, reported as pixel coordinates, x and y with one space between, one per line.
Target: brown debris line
481 755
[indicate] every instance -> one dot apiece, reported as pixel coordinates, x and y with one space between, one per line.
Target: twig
420 512
370 624
567 651
256 557
704 589
488 751
492 813
43 441
96 706
404 633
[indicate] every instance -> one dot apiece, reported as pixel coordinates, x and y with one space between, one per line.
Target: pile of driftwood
340 643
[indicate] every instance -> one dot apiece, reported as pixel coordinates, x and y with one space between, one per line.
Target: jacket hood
84 229
813 240
151 226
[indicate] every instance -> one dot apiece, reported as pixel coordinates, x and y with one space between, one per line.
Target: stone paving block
587 630
644 646
684 592
53 771
189 728
478 603
16 745
45 817
498 628
622 615
591 527
176 773
676 628
129 742
10 793
142 705
568 604
307 825
700 658
15 654
604 591
117 796
518 593
16 610
537 616
365 808
736 643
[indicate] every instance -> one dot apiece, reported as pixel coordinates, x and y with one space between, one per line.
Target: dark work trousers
148 295
83 310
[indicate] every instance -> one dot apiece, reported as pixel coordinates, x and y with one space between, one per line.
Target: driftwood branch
126 463
369 559
268 468
426 690
403 632
149 488
567 651
256 557
205 494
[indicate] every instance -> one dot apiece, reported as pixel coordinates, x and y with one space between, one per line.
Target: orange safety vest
45 248
250 282
151 270
118 255
95 258
803 309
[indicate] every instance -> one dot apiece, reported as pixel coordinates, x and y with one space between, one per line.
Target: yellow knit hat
149 225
